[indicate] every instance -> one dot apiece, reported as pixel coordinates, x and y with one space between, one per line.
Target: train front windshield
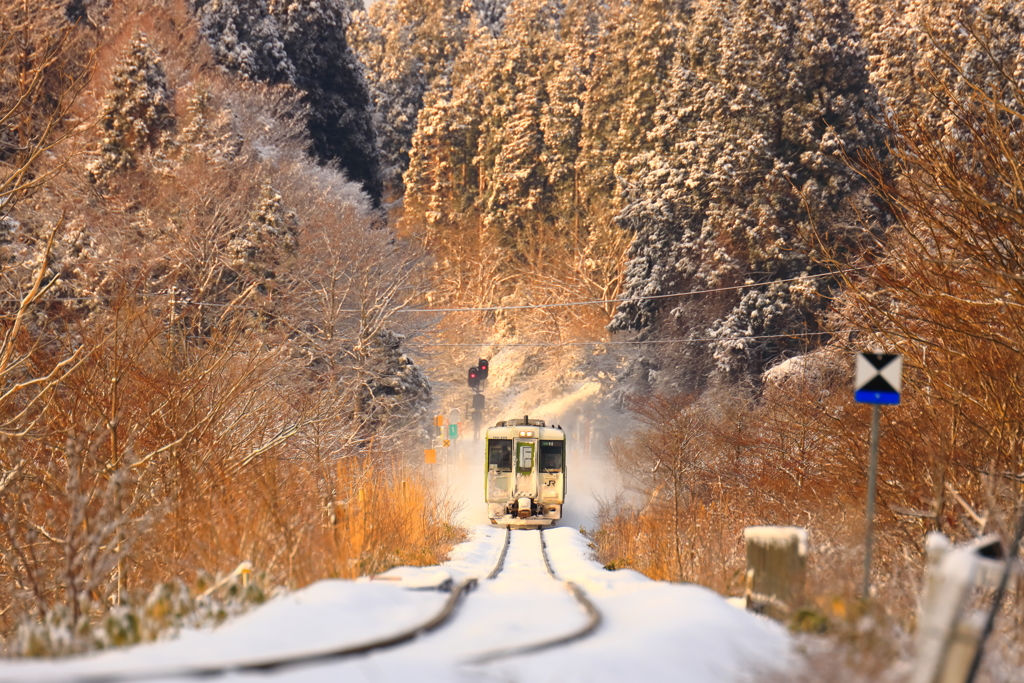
552 456
499 454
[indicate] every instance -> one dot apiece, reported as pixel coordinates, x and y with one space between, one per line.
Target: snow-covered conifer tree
443 180
918 48
305 44
516 196
258 248
405 45
136 111
579 36
394 385
747 185
631 61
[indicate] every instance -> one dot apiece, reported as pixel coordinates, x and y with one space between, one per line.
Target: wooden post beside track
776 569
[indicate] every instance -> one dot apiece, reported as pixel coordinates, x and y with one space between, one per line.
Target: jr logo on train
525 485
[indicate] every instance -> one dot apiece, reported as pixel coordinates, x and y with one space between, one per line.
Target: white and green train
525 483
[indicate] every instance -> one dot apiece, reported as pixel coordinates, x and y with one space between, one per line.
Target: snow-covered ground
650 631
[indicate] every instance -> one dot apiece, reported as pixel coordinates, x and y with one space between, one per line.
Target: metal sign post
878 378
872 488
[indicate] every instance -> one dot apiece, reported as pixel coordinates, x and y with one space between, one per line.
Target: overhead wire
694 292
795 335
565 304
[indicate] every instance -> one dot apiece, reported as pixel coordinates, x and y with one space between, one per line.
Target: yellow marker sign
447 443
430 456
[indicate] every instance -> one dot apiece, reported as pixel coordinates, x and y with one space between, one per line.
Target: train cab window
499 454
552 456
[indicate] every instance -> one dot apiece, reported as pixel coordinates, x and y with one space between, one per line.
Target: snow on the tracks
651 630
473 559
477 556
324 614
654 630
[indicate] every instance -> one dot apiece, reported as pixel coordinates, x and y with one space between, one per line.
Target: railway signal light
474 377
483 365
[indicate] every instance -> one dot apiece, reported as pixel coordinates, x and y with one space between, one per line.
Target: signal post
477 377
878 378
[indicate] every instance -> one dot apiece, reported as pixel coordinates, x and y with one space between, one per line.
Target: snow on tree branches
746 185
303 44
136 111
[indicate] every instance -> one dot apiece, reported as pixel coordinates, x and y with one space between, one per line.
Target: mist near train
592 480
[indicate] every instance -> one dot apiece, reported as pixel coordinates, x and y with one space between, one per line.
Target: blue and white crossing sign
878 378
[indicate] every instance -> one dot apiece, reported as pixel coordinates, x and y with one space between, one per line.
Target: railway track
271 664
529 574
592 622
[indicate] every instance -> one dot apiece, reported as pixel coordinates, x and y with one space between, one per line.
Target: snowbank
651 631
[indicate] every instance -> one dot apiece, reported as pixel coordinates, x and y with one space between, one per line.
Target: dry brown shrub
388 517
176 412
944 290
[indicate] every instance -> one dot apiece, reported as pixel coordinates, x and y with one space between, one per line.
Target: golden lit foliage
183 371
944 290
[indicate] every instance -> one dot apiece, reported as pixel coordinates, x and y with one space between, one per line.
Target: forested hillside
638 150
751 192
645 150
200 361
211 213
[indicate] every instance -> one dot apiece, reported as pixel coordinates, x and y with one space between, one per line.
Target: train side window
499 454
552 456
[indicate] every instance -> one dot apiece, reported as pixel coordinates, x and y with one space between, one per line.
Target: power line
796 335
644 298
566 304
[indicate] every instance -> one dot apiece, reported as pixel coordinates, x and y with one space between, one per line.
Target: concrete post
948 633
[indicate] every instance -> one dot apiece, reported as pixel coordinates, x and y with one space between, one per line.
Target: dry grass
787 460
178 404
389 519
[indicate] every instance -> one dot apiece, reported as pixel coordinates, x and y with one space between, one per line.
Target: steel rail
593 621
272 664
439 619
501 558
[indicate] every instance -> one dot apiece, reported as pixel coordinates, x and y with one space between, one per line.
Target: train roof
504 430
525 421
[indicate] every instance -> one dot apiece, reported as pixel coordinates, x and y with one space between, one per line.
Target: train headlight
525 433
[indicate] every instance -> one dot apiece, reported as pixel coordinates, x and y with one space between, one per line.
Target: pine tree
747 179
394 386
631 59
515 196
259 248
476 178
514 149
920 48
591 243
443 180
405 45
136 112
305 44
